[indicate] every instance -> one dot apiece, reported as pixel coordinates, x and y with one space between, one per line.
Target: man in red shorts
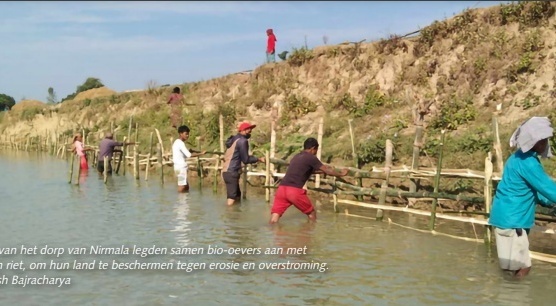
291 191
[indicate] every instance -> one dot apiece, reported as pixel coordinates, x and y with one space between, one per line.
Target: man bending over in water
291 191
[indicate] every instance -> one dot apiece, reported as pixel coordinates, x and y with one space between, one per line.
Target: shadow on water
364 262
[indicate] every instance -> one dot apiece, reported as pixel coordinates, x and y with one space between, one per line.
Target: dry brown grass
26 104
94 93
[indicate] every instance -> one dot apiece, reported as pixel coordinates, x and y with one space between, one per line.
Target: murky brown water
369 263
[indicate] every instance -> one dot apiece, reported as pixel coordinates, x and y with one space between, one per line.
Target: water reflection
370 263
299 237
83 176
513 291
182 228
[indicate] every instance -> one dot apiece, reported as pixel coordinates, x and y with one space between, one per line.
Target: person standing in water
79 149
237 153
180 154
290 191
524 183
107 148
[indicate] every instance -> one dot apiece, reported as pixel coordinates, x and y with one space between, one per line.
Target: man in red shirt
291 191
271 47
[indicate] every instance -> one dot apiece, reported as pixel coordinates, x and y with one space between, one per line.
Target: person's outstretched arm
243 147
331 171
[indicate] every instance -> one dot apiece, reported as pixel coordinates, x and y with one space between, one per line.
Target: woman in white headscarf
524 184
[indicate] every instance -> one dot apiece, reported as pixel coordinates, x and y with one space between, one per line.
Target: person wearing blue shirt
524 183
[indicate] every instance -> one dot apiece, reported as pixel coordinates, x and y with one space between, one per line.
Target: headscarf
530 132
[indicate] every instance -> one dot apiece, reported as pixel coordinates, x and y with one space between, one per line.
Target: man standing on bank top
270 46
524 183
180 153
291 192
237 152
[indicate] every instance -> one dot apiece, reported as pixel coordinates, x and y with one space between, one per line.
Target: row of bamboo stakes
59 147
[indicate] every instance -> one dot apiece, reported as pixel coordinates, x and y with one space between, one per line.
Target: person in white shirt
180 154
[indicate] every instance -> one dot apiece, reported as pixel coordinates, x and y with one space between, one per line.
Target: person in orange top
271 46
174 101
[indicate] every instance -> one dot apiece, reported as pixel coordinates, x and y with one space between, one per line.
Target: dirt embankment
454 74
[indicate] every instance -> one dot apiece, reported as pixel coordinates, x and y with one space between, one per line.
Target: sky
129 44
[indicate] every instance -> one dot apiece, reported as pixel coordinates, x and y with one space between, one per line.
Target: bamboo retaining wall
156 158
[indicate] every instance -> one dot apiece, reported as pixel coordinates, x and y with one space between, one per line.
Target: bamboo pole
199 166
71 171
221 130
105 172
245 176
136 133
488 194
437 178
388 164
160 141
335 196
417 143
215 179
379 215
47 146
149 157
415 211
56 146
129 128
272 150
378 172
112 127
393 192
66 154
135 153
122 157
497 145
319 151
136 165
354 155
244 189
267 177
160 161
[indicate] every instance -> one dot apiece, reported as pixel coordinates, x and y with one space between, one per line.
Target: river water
367 262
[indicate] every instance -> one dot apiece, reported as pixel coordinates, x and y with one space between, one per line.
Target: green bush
212 127
373 150
90 83
474 141
299 105
300 56
528 13
455 112
6 102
